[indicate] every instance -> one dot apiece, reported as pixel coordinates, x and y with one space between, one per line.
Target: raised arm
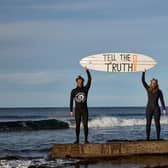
89 79
162 101
143 81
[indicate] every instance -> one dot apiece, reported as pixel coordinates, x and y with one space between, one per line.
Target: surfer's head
154 87
79 81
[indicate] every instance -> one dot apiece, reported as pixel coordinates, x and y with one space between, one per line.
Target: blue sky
42 42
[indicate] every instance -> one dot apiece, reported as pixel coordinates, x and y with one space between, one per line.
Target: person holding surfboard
79 94
153 109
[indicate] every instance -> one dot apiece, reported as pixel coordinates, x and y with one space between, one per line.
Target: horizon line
68 107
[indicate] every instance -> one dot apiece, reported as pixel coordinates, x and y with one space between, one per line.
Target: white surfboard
118 62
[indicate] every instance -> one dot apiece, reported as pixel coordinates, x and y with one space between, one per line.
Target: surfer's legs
149 115
157 122
85 124
78 122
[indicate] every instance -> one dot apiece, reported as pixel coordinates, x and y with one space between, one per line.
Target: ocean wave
33 125
110 122
37 163
15 163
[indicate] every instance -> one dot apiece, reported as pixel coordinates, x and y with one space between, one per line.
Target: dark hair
80 77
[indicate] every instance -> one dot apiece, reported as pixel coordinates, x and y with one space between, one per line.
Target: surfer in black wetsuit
79 94
153 109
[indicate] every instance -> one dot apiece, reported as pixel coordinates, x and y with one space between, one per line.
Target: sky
42 42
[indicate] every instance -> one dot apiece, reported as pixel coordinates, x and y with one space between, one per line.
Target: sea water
27 134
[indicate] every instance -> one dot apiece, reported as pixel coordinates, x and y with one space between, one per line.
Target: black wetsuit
81 109
153 108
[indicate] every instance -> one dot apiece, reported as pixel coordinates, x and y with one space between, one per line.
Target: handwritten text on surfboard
121 63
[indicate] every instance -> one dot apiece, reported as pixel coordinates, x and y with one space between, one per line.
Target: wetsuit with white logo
81 110
153 108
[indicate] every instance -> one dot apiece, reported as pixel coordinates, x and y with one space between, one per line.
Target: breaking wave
33 125
110 122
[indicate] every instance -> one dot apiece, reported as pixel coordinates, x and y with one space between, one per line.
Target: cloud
41 45
67 5
61 34
33 99
81 10
35 78
30 32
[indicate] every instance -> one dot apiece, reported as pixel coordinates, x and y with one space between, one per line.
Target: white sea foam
110 122
36 162
15 163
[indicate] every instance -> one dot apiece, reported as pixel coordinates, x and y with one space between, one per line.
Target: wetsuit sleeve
143 81
162 100
71 101
89 80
